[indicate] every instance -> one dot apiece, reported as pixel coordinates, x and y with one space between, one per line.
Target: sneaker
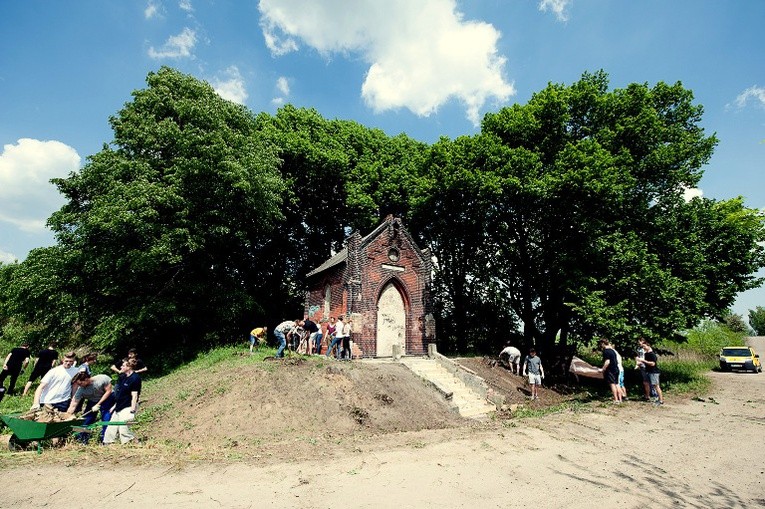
658 403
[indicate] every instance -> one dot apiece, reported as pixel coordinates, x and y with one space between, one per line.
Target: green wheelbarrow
26 432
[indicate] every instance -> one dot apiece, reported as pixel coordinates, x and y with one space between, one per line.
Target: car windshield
736 352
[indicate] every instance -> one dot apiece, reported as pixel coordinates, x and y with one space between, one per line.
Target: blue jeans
317 348
106 414
335 341
282 343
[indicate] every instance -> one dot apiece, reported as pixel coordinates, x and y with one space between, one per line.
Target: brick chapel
382 281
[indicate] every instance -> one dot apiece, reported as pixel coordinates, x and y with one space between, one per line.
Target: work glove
95 408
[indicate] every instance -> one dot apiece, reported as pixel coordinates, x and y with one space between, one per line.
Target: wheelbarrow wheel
16 444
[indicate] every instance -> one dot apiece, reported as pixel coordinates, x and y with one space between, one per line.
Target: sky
426 68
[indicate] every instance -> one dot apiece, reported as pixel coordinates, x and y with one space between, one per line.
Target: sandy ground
684 454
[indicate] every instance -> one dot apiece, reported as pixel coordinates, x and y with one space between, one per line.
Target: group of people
612 370
646 361
67 386
304 336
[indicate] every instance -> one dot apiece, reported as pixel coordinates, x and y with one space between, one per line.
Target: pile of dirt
514 388
46 414
289 409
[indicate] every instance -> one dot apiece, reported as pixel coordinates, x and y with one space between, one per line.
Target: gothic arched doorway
391 321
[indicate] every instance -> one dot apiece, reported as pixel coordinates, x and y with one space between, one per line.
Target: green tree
160 243
757 320
576 216
340 176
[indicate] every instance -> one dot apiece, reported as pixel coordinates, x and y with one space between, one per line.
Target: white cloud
152 10
690 193
176 46
420 54
231 86
755 93
186 5
558 7
27 197
6 257
283 86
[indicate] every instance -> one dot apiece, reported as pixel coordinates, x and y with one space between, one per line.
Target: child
533 367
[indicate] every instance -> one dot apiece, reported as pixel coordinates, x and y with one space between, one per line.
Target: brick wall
362 278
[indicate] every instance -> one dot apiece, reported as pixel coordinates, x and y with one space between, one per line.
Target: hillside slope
287 409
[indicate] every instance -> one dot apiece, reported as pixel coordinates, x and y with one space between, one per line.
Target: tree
577 220
160 243
340 176
757 320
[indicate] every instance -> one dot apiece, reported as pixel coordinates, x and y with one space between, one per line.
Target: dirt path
684 454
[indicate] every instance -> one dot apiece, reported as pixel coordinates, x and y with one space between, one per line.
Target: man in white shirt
511 358
55 388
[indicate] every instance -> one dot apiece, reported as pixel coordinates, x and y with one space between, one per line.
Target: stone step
465 400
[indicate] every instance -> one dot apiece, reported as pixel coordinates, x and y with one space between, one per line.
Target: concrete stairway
466 401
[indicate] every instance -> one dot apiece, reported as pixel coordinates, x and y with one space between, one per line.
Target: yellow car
739 357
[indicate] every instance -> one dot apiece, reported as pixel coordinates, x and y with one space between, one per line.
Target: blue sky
427 68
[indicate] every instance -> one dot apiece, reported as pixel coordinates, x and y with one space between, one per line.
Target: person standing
610 369
651 363
347 331
337 341
532 367
46 359
98 396
319 335
55 388
126 396
14 364
257 335
330 334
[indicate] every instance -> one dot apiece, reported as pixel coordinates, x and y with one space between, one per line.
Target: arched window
327 299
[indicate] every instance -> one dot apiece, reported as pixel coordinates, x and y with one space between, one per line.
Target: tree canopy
562 219
757 320
572 219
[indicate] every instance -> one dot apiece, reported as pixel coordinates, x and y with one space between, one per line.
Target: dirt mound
289 410
515 388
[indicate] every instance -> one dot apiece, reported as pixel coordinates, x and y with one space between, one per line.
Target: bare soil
514 388
306 434
293 409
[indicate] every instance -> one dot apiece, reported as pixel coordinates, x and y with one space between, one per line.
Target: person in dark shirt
310 327
651 363
610 369
127 391
46 359
132 354
14 364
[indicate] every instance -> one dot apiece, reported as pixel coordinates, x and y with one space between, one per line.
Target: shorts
621 378
610 377
653 378
252 340
645 376
535 379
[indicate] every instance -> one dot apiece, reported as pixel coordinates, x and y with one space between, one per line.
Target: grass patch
573 406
